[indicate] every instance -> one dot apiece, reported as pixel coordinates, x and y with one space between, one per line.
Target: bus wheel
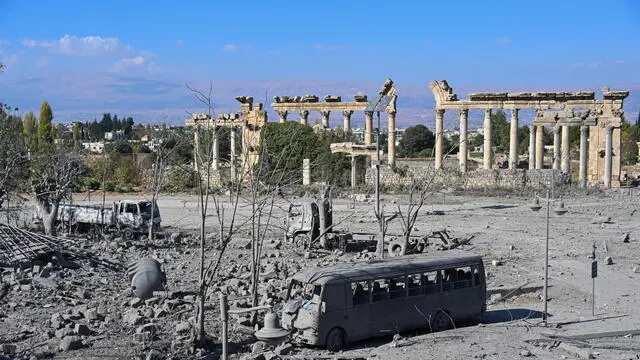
441 321
335 340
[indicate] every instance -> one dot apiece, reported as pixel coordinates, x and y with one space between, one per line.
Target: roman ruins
303 104
250 120
599 121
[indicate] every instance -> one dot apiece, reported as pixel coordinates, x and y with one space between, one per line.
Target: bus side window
379 291
450 276
397 288
415 284
360 292
464 278
476 276
431 282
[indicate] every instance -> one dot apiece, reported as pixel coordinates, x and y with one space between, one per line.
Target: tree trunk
49 218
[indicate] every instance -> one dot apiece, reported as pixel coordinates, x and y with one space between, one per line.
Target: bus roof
358 271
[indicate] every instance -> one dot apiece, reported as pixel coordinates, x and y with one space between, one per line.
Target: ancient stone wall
475 179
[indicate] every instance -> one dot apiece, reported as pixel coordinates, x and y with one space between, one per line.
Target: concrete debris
608 260
602 220
70 343
626 238
496 262
8 349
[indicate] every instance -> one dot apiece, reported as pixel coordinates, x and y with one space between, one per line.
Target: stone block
70 343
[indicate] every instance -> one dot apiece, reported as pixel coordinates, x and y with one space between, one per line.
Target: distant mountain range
83 97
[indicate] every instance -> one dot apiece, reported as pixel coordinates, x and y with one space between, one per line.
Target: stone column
488 143
464 142
304 117
216 150
532 147
608 156
439 135
196 148
232 145
539 146
391 139
565 158
306 172
513 140
354 171
584 151
556 148
325 118
346 120
283 115
368 127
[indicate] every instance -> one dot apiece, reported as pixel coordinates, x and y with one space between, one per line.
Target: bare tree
52 181
203 160
419 192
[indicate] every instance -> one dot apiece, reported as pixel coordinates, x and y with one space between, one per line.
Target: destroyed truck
128 217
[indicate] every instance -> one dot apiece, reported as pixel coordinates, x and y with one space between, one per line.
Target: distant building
94 147
112 135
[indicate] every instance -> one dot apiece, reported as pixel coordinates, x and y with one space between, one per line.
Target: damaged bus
333 306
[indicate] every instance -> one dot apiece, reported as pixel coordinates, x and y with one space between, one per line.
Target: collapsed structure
599 121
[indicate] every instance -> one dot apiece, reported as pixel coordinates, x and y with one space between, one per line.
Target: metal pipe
546 265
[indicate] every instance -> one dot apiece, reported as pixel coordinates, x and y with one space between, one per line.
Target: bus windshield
299 290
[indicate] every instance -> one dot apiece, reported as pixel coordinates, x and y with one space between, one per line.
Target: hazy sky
494 43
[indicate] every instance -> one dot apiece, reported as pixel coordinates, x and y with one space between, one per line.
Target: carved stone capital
325 113
440 113
514 113
304 113
368 114
487 113
347 113
464 112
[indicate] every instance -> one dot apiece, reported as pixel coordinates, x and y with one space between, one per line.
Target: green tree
45 127
500 131
414 140
285 145
76 135
628 149
30 131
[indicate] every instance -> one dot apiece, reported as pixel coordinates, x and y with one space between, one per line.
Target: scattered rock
61 333
258 347
81 329
496 262
70 343
608 260
154 355
8 349
143 336
284 348
183 327
626 238
636 269
92 314
525 353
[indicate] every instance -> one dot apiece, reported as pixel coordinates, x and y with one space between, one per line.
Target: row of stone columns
368 127
304 117
561 158
215 150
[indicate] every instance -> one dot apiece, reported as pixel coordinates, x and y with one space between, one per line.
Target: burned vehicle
128 217
333 306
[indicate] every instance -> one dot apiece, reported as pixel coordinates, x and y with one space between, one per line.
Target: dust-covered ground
90 311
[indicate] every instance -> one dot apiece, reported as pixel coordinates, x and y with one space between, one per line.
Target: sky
489 44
